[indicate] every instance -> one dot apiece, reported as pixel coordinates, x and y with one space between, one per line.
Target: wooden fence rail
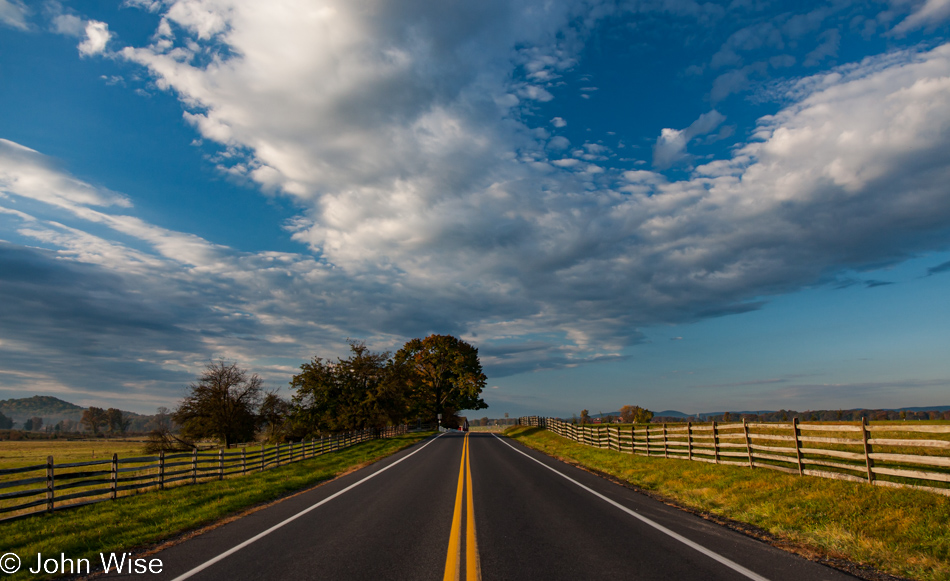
883 454
50 486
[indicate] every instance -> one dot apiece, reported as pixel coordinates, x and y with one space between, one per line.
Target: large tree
634 414
93 419
117 421
364 390
443 375
223 404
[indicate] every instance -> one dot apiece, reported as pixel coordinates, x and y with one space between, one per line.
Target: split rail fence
885 454
50 486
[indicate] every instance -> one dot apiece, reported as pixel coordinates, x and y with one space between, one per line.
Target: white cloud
420 177
535 93
68 24
14 13
670 146
735 81
97 37
559 142
27 173
928 15
828 48
558 122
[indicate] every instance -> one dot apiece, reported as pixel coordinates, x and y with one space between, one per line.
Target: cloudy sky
676 204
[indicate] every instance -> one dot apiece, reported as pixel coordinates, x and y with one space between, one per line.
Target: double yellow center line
453 559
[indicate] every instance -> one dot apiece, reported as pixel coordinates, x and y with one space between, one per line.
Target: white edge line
261 535
712 554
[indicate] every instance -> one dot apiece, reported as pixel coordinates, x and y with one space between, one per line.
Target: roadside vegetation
898 531
426 381
136 522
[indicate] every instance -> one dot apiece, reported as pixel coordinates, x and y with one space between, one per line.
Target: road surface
481 507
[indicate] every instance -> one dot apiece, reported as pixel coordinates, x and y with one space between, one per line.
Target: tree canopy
634 414
93 419
436 375
362 391
222 404
442 374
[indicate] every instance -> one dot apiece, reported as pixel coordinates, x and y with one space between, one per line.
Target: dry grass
14 454
901 532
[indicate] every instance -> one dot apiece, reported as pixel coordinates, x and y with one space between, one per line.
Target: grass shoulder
898 531
140 521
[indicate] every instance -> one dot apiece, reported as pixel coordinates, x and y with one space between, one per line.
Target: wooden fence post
115 476
865 434
50 484
716 440
161 470
243 461
666 449
278 454
194 466
647 429
262 456
291 452
689 440
220 463
748 442
798 444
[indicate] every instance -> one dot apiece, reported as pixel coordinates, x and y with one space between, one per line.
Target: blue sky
682 205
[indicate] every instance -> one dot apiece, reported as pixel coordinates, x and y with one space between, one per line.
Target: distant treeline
93 421
812 416
50 416
427 381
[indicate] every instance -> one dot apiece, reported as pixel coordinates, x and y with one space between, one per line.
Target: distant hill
773 415
44 406
54 410
671 414
933 408
705 415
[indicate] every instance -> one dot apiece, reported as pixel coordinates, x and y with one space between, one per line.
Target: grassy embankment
145 519
901 532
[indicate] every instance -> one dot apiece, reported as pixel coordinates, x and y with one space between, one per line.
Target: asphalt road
534 518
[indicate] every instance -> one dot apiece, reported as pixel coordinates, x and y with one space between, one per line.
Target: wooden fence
884 454
47 487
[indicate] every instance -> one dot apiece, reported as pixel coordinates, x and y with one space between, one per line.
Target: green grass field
901 532
29 452
138 521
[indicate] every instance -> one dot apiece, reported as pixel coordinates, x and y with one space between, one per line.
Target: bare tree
223 404
163 417
162 439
